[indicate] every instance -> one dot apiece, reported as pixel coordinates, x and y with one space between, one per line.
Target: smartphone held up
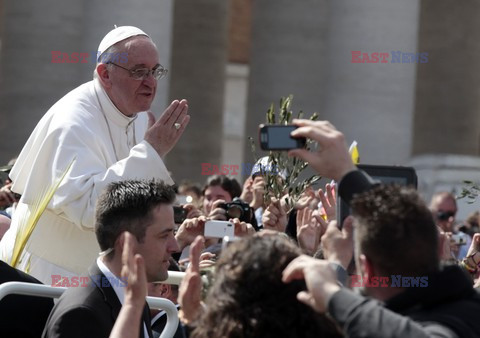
277 137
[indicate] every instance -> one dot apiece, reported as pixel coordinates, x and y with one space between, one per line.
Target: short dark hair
230 185
127 206
187 186
395 230
249 299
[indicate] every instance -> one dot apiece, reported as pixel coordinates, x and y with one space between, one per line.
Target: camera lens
235 211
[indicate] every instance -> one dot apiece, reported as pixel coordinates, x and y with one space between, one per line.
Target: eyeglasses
141 73
445 215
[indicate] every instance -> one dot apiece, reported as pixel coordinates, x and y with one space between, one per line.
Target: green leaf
289 117
271 114
253 148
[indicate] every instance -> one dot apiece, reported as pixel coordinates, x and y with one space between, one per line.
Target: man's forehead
141 52
138 41
445 202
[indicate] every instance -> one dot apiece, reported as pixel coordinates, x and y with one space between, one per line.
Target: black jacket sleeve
80 322
362 317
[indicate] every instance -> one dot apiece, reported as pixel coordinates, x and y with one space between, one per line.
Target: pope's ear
104 75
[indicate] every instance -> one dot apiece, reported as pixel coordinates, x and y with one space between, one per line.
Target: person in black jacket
22 316
144 209
395 238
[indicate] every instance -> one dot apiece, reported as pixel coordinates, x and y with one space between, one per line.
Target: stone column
30 82
447 118
236 84
373 102
446 141
288 56
199 56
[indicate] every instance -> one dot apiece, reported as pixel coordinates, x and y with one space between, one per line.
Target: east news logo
61 57
394 281
388 57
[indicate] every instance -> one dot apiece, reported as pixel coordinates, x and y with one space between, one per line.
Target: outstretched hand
309 230
189 230
332 158
242 229
189 295
275 216
133 272
337 245
319 277
163 134
329 202
258 189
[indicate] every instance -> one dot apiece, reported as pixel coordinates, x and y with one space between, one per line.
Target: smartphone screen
273 137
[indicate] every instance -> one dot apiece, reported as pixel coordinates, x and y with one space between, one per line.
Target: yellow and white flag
353 150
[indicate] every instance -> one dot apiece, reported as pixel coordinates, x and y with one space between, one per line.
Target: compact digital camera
238 209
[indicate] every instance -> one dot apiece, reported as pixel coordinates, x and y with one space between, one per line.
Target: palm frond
28 222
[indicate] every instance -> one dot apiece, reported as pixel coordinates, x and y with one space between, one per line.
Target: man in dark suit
143 208
17 310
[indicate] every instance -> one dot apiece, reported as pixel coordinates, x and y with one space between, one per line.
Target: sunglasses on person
445 215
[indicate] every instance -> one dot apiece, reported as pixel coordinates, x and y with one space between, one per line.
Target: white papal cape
108 147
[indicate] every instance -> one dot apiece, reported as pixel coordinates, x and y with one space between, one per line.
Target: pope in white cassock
104 125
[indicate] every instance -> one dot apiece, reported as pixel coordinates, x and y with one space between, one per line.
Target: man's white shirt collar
115 282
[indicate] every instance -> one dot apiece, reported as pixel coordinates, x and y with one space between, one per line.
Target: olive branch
279 160
470 192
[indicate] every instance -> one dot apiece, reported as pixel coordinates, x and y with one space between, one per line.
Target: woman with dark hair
219 188
218 194
249 299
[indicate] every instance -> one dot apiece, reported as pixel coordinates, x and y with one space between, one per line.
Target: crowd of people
394 268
